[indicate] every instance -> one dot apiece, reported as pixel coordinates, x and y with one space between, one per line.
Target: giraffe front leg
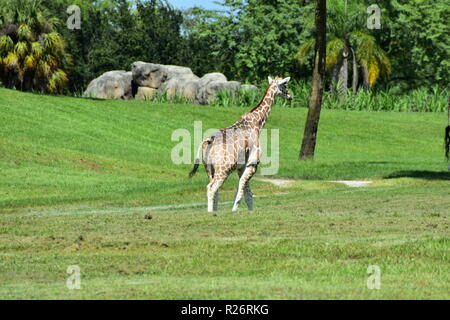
248 196
216 201
246 176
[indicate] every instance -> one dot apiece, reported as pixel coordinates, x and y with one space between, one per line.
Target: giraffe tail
197 158
194 170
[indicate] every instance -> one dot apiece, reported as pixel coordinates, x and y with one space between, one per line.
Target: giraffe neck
261 112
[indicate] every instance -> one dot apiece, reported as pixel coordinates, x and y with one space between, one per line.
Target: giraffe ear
285 80
270 79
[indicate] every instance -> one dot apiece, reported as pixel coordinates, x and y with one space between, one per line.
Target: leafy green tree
200 41
415 34
115 33
161 34
32 53
252 39
347 38
94 47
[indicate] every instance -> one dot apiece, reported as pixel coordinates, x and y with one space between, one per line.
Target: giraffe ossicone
237 147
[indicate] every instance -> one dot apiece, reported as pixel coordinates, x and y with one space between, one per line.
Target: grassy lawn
91 183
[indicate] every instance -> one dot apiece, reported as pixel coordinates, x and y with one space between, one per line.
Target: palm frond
43 69
344 17
29 62
383 60
29 43
51 61
369 54
57 81
373 67
21 49
305 50
363 44
24 32
334 52
11 60
53 42
6 45
36 49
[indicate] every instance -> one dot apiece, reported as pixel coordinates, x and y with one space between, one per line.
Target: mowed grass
58 150
91 183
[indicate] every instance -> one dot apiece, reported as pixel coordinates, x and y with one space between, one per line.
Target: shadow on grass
430 175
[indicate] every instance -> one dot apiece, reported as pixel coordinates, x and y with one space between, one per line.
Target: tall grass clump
164 97
239 98
418 100
245 98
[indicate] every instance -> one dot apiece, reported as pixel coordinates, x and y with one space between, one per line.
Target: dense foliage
115 33
247 41
416 37
417 100
32 53
252 39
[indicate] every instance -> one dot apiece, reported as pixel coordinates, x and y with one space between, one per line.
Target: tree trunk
343 74
355 73
315 101
335 76
365 80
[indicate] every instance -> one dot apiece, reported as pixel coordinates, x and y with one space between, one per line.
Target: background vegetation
247 41
417 100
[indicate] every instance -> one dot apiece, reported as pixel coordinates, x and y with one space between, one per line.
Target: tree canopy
247 41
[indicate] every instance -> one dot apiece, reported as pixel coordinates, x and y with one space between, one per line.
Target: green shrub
418 100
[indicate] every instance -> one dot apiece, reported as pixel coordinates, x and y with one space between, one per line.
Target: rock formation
147 79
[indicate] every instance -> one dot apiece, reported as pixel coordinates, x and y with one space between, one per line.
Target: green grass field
91 183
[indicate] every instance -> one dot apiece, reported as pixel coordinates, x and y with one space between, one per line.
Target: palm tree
32 54
348 39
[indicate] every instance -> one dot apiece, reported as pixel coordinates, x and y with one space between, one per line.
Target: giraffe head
281 85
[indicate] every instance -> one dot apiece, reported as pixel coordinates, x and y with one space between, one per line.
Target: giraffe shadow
429 175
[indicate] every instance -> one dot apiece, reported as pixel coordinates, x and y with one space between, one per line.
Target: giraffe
237 147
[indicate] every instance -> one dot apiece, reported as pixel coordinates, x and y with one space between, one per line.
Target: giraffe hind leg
212 191
248 195
245 177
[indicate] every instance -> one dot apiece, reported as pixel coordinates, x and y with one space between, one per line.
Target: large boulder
179 73
111 85
157 75
212 77
190 90
145 93
147 74
249 87
186 88
207 94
